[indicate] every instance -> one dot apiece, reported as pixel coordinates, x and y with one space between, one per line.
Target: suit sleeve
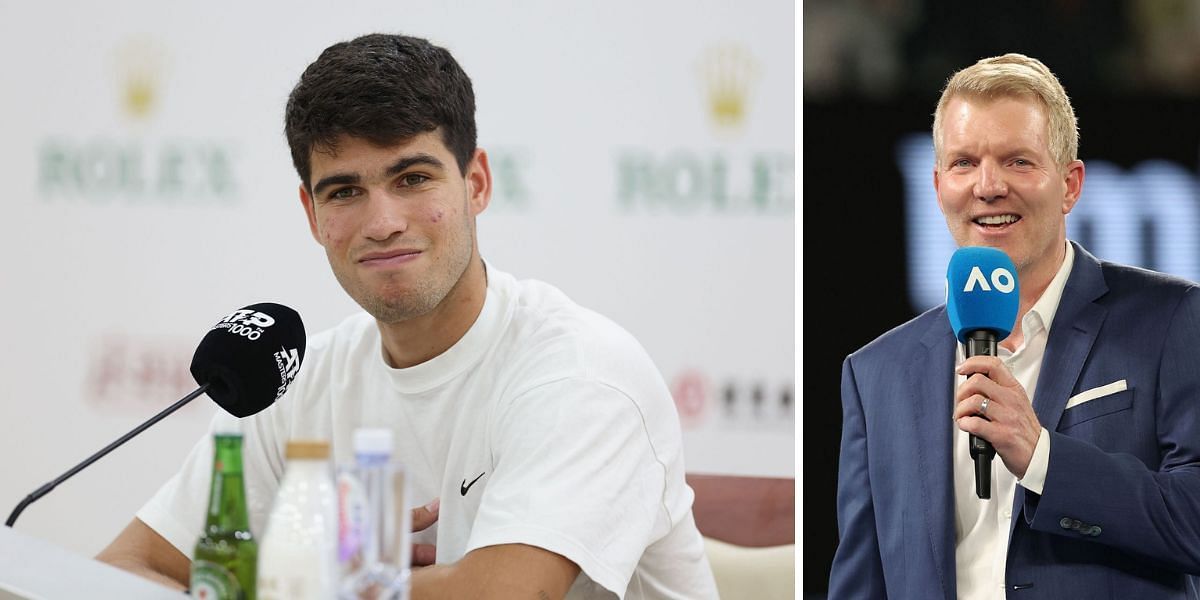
857 570
1121 501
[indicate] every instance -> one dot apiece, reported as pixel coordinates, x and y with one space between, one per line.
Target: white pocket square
1099 392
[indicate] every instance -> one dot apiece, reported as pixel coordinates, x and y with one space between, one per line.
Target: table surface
31 568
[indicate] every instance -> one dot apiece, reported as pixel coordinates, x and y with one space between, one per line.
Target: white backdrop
644 162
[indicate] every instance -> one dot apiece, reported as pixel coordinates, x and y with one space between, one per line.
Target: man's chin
380 298
393 310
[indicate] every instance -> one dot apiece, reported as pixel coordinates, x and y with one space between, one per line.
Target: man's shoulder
1112 282
551 337
543 312
1123 279
902 338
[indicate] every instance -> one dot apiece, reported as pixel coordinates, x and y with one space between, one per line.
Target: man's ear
311 211
1074 184
479 182
937 191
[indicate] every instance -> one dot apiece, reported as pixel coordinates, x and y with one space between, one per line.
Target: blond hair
1020 76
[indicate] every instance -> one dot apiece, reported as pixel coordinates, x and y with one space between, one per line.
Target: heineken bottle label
211 581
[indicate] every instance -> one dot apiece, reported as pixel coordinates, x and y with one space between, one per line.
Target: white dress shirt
981 526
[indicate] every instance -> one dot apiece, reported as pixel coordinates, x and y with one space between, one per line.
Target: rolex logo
727 73
140 62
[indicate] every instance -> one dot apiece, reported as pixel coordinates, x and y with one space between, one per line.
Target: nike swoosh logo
466 487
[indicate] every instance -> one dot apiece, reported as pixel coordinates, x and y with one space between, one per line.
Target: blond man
1092 405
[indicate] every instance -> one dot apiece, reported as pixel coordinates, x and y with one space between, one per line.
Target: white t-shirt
557 412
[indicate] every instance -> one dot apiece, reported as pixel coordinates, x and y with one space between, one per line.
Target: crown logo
727 72
140 62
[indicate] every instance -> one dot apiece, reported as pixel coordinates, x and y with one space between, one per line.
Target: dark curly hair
384 89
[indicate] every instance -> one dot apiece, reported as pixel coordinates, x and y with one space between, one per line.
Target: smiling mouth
996 221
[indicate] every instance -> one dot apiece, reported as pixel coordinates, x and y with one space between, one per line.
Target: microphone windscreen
249 358
981 292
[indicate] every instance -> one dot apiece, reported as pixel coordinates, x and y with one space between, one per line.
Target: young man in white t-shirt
541 432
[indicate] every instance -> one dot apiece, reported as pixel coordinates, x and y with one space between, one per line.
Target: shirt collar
1042 313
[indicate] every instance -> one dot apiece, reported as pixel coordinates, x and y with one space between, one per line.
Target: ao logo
1002 280
1147 215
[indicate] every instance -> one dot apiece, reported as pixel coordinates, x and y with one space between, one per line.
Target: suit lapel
933 404
1076 324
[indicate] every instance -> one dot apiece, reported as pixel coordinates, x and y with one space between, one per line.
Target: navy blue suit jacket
1119 514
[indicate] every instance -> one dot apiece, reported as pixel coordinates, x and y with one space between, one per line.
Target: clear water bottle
297 558
376 542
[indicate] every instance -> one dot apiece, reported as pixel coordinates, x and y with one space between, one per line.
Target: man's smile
996 222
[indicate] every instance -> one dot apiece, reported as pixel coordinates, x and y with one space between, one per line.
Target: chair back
745 511
749 529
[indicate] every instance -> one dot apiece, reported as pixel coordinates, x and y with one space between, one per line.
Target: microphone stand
45 489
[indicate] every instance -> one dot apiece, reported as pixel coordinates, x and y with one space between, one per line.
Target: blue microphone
982 300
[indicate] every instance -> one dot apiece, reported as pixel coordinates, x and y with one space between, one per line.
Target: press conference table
31 568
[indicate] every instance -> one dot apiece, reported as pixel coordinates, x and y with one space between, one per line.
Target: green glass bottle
224 565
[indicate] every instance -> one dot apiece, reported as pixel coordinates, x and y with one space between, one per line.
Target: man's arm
500 571
1151 512
505 571
857 570
141 551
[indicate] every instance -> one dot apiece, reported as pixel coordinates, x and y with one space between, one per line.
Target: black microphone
982 301
245 363
981 342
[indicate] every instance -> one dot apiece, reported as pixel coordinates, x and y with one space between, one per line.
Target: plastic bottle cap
310 449
373 440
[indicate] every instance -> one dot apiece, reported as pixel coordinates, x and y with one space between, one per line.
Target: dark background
872 72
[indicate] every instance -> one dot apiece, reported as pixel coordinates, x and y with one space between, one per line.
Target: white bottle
379 567
297 558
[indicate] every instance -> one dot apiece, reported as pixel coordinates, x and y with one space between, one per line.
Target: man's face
998 185
397 222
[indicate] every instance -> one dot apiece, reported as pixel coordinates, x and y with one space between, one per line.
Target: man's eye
343 194
413 179
962 162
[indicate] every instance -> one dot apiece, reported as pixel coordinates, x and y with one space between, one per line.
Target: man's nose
386 216
990 185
